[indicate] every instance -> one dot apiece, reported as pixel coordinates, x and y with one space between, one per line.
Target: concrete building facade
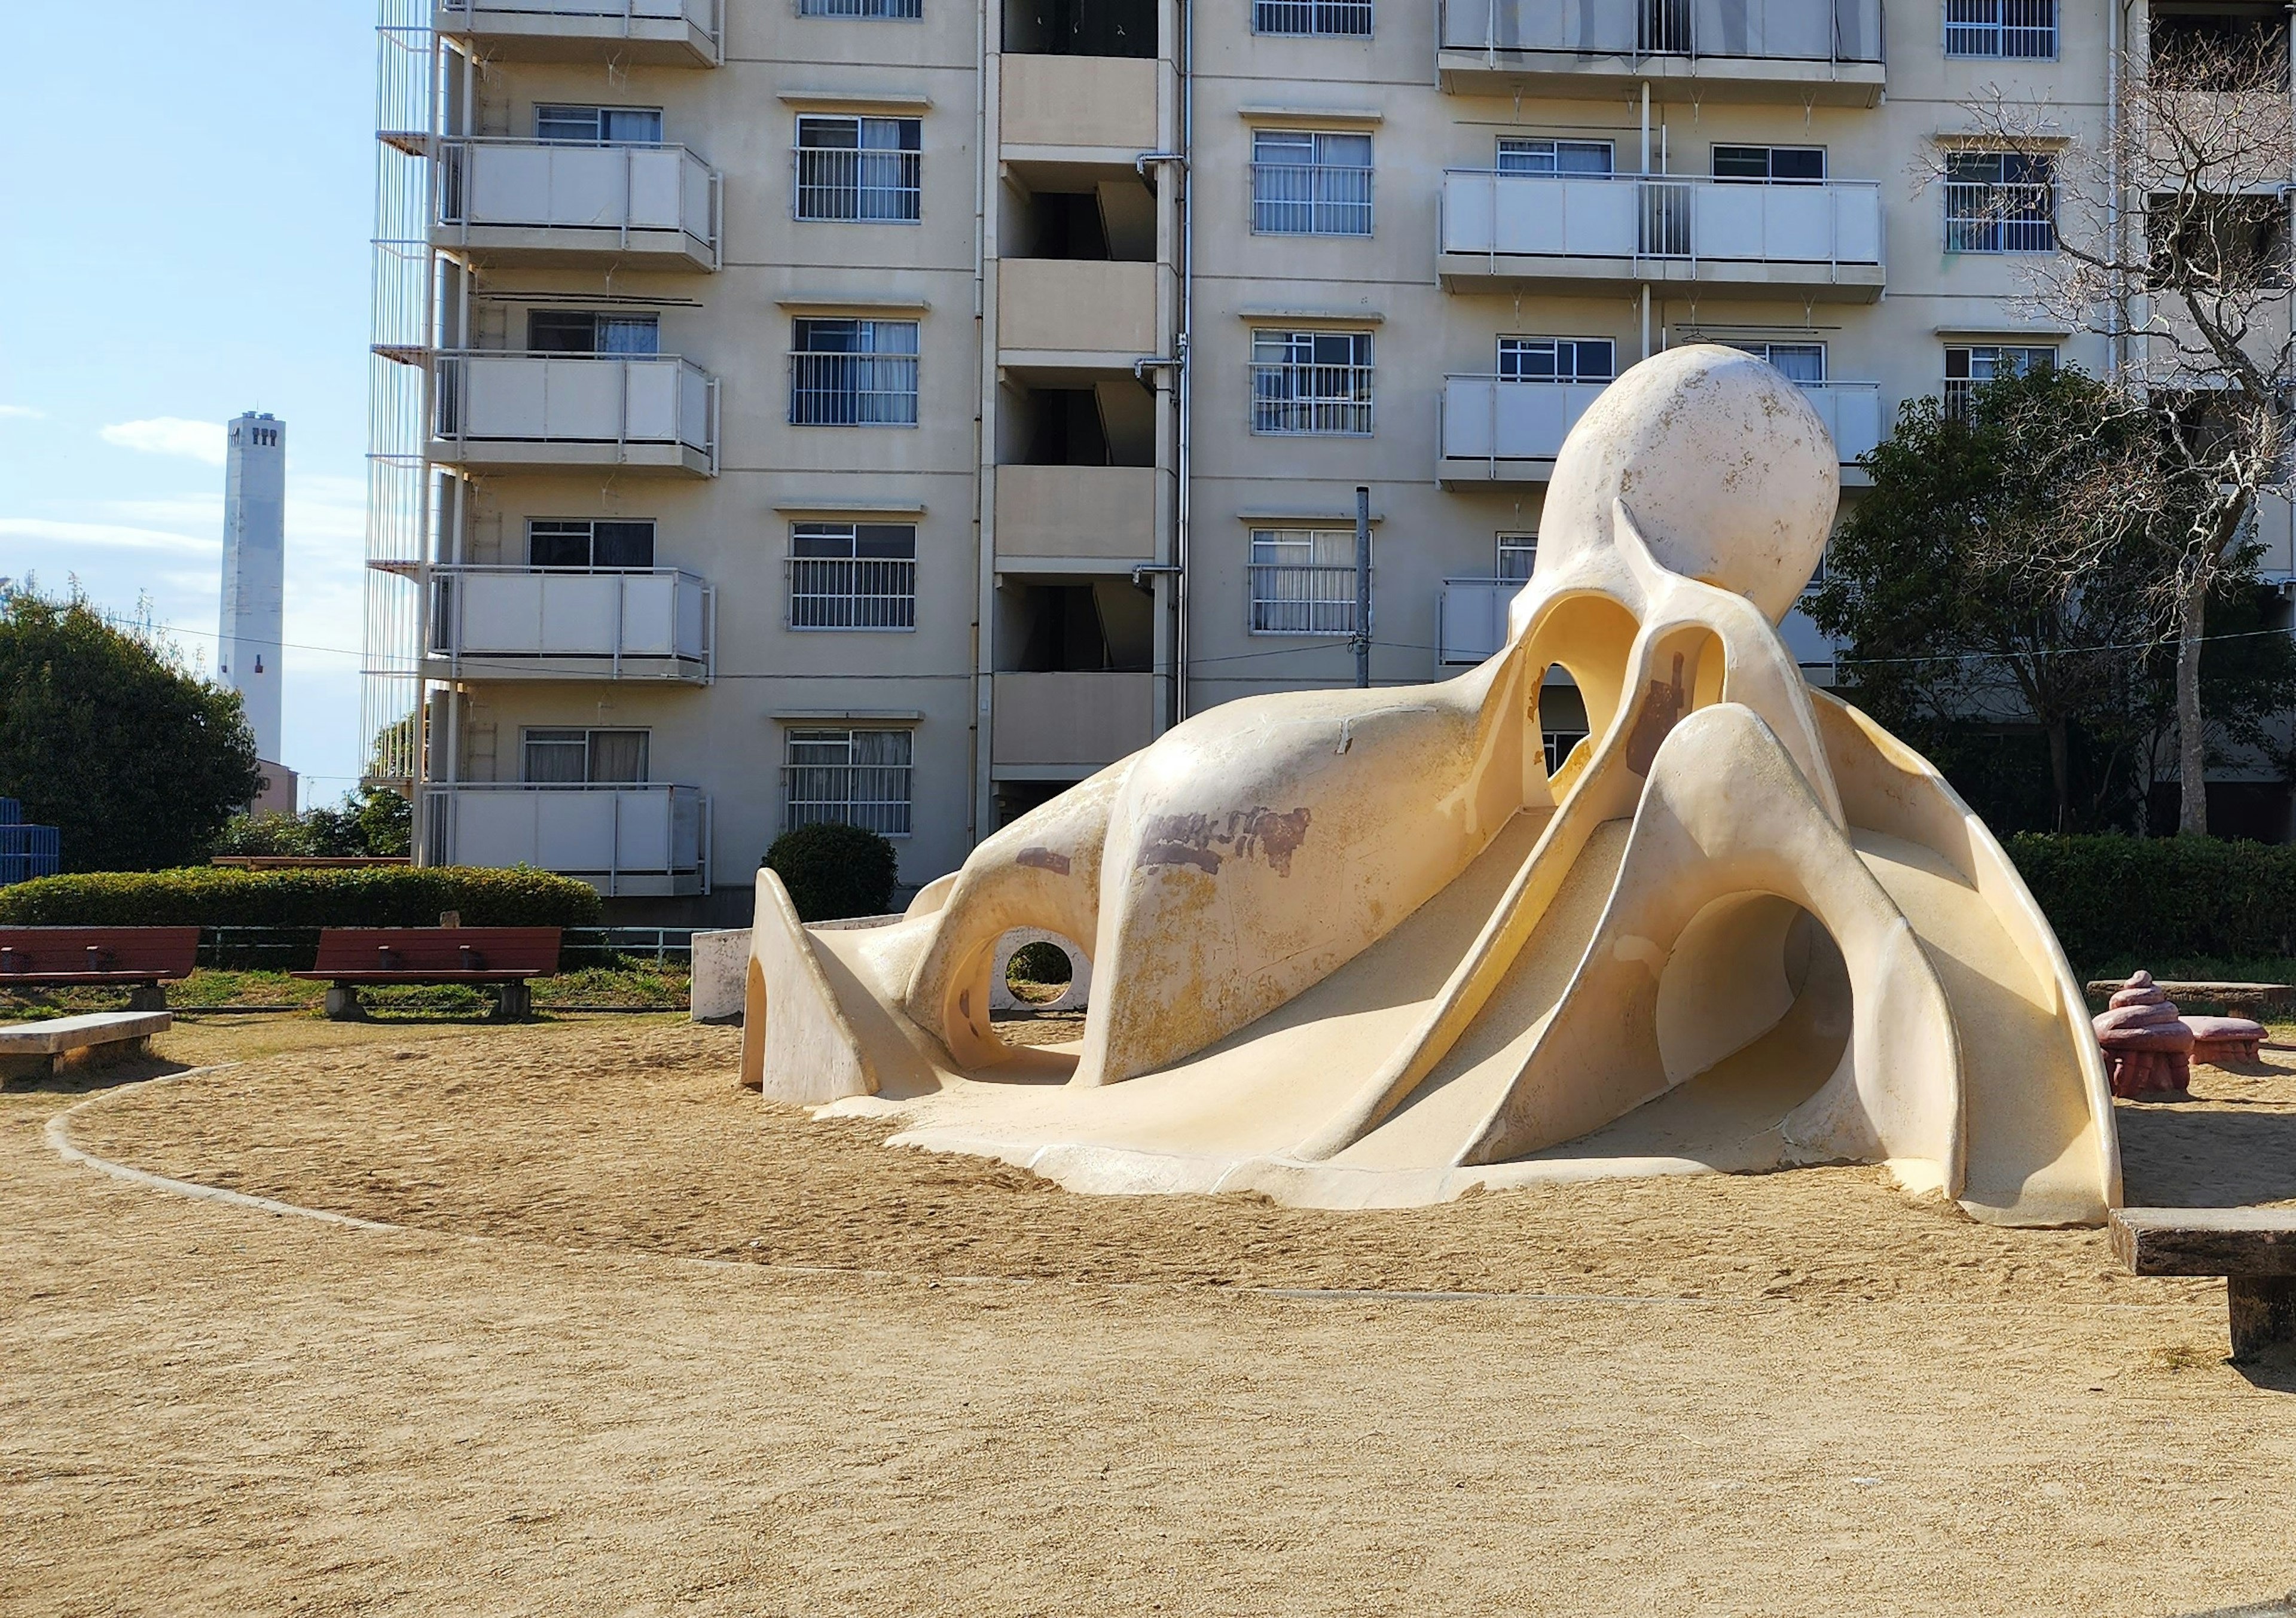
893 411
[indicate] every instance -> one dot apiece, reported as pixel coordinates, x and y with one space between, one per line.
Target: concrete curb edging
58 1135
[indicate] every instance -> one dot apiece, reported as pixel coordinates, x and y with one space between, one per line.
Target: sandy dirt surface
718 1358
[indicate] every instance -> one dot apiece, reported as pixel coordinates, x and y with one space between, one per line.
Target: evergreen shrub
834 871
375 896
2165 898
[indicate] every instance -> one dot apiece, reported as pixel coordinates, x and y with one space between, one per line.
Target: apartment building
893 411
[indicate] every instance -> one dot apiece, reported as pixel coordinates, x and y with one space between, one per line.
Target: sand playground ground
642 1344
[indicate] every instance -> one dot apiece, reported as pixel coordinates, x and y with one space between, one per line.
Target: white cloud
22 413
170 435
106 536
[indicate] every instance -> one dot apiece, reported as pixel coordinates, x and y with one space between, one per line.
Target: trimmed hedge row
379 896
2110 897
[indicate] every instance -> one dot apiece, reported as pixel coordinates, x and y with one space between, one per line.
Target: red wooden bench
138 959
502 959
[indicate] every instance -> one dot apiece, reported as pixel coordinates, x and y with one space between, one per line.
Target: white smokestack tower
255 572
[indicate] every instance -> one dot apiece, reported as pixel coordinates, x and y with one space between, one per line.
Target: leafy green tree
106 733
374 821
2015 568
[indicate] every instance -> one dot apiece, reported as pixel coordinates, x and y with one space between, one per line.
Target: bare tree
2171 232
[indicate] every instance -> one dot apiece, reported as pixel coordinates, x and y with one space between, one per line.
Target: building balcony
1099 519
1047 726
510 623
1494 431
1578 234
521 411
1075 313
1077 109
668 33
544 203
1803 52
631 840
1471 619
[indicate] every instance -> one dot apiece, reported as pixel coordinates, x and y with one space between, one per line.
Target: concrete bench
38 1050
2254 1249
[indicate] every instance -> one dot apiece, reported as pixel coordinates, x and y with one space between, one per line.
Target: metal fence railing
852 592
294 949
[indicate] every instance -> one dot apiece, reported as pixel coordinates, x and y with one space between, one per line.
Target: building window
1303 582
1304 184
2000 202
1518 554
579 542
2021 29
868 170
1557 359
571 757
849 778
587 332
1311 383
1336 19
1802 362
1965 368
598 126
1792 163
853 372
1518 156
899 10
853 576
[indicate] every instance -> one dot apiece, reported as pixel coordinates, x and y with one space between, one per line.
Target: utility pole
1363 587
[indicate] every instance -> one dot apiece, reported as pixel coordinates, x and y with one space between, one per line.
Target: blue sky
189 205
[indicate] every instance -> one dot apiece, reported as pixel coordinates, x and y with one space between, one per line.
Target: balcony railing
1639 217
540 200
609 409
555 623
1784 30
689 32
634 839
1471 618
1516 429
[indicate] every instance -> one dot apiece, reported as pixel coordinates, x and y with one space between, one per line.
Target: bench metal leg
343 1004
2263 1313
513 1002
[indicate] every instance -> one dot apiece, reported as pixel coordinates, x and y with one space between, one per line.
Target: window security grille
1520 156
1557 745
853 576
1966 368
1663 27
598 126
850 777
580 542
853 372
1311 383
1304 184
1517 554
1303 582
2000 202
1340 19
1557 359
1802 362
1792 163
560 757
898 11
2015 29
865 170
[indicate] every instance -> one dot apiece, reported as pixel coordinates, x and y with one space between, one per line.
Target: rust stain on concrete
1043 859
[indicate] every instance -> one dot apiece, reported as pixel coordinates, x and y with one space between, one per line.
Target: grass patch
631 984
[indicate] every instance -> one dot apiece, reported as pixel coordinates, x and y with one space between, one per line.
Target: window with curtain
583 542
558 757
575 124
1309 183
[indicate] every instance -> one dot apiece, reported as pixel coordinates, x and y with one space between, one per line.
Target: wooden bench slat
39 956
